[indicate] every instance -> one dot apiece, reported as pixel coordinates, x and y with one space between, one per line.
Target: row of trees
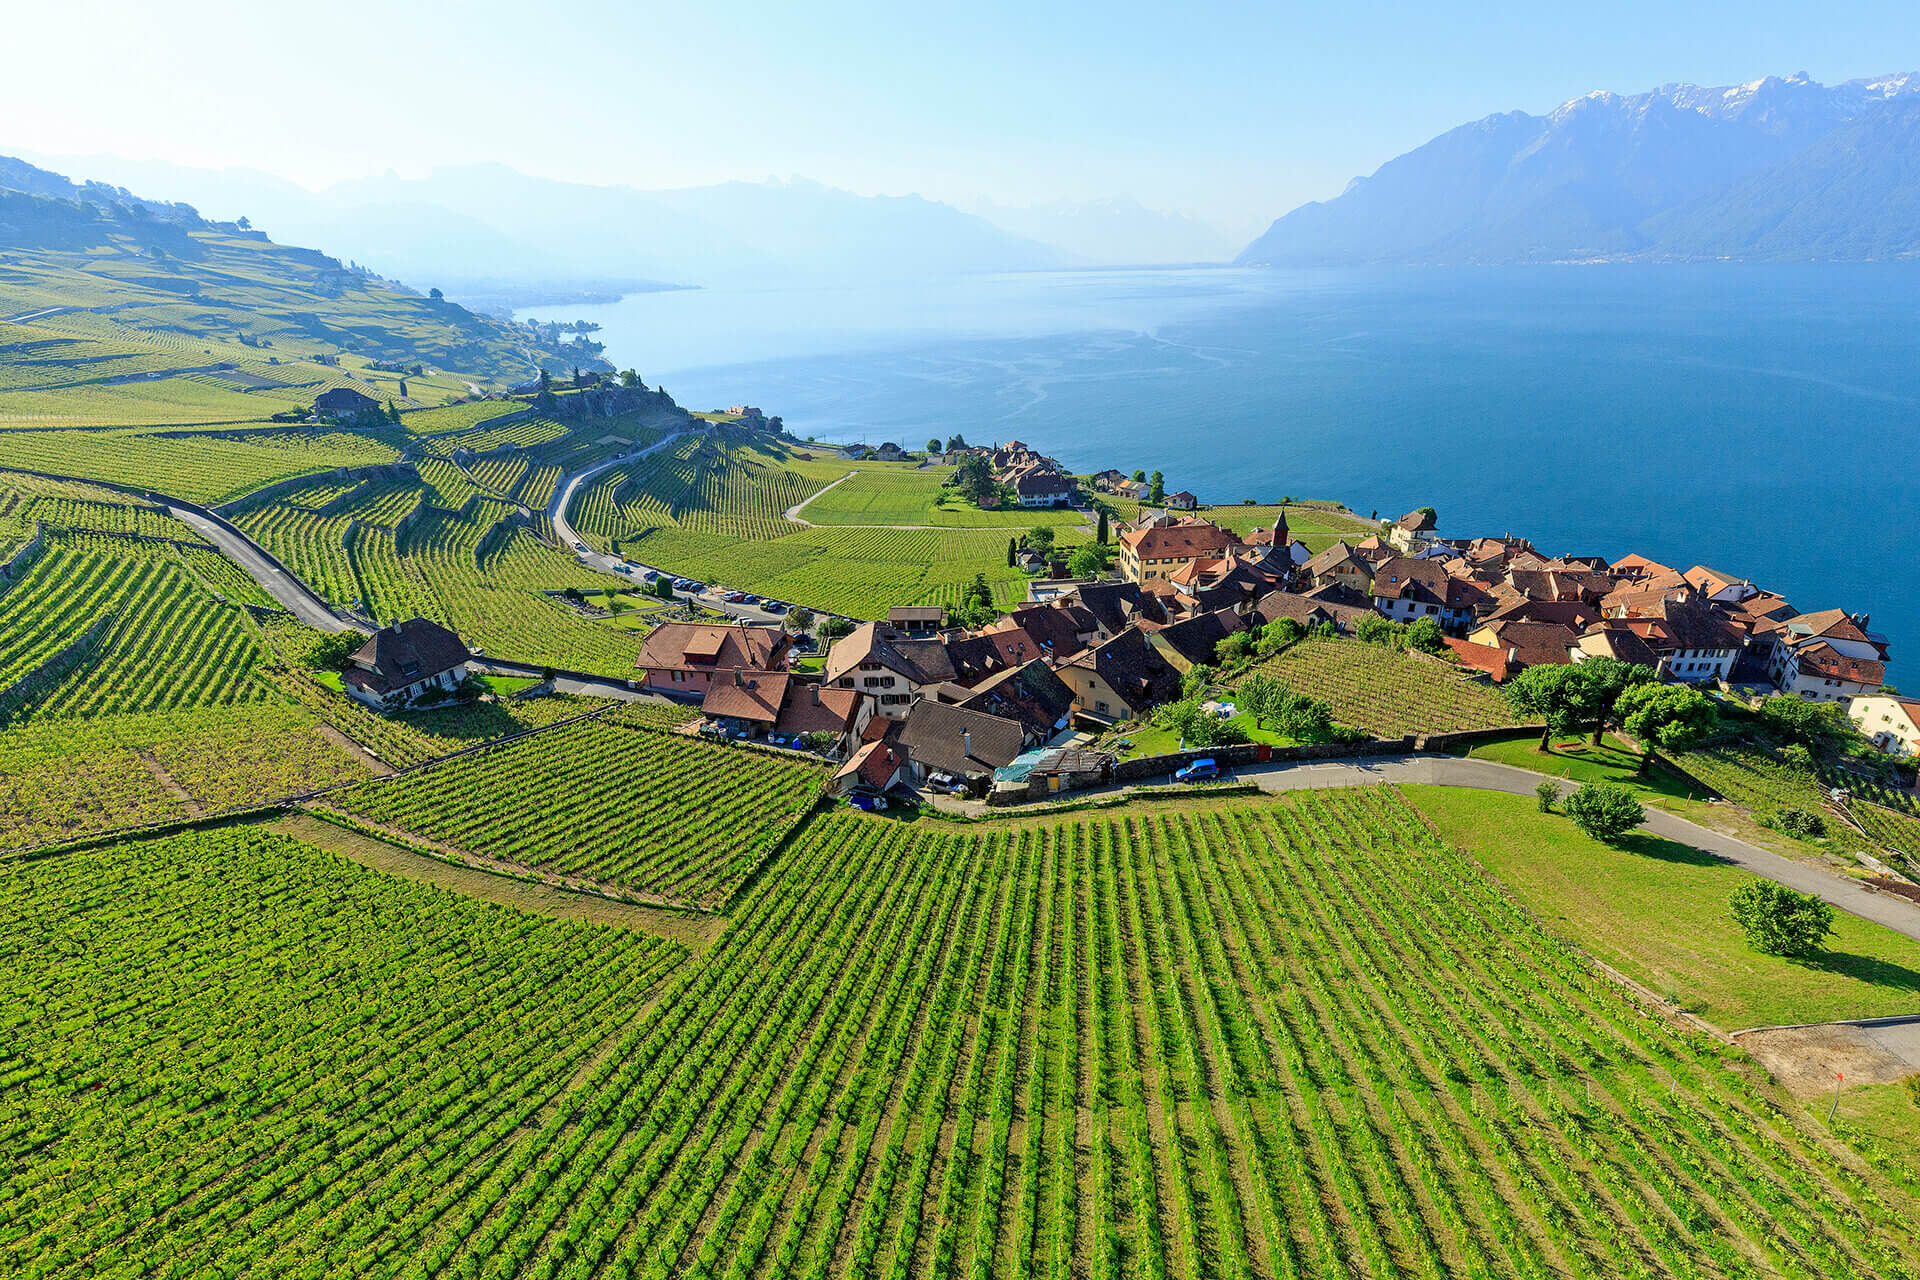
1602 693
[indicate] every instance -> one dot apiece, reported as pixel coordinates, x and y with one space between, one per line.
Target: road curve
299 599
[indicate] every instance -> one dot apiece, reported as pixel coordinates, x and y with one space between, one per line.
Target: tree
242 223
546 382
1791 719
833 629
1089 561
974 480
799 618
956 441
1158 494
1277 635
1429 513
933 444
331 652
1013 551
393 412
1304 719
1375 629
630 379
1425 635
1555 693
1260 695
1607 679
1781 921
1040 539
1101 536
1545 794
1235 647
1139 477
1674 716
435 294
1196 680
777 425
1604 810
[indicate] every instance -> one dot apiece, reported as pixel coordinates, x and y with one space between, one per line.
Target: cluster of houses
909 699
1035 480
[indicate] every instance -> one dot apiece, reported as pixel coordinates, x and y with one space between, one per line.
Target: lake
1759 419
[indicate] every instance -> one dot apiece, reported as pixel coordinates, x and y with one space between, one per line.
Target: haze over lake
1760 419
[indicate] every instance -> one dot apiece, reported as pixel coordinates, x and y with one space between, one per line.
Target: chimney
966 743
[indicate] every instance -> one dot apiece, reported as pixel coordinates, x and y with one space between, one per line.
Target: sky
1232 112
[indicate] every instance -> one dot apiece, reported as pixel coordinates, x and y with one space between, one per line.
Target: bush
331 652
1781 921
1803 823
1374 629
1545 794
1424 634
1674 716
1604 810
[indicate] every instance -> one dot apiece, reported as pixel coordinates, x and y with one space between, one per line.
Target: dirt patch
1805 1059
167 783
692 930
380 767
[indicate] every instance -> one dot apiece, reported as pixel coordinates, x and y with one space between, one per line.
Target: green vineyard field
1387 692
1292 1038
653 812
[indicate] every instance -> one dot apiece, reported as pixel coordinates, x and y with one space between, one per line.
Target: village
1032 701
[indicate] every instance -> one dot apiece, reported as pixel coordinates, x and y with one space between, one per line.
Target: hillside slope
1608 176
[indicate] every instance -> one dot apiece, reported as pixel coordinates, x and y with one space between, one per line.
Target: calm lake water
1759 419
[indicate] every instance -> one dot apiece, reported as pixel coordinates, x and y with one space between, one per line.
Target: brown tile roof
712 646
1827 662
1616 638
810 708
1194 639
1415 522
1534 644
1577 614
750 695
873 765
1055 630
1488 658
1131 668
958 741
1180 540
404 654
1638 566
1032 695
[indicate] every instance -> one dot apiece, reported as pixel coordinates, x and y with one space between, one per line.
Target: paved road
1897 914
611 565
793 512
290 591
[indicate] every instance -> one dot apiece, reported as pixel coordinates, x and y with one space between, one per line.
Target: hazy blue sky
1233 111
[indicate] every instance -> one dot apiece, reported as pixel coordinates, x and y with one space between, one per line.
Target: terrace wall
57 666
21 560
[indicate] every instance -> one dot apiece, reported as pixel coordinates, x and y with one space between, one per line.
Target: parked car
735 597
946 784
803 643
774 606
649 576
686 584
1198 771
750 598
866 802
581 547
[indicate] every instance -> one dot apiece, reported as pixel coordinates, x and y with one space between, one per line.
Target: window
1101 707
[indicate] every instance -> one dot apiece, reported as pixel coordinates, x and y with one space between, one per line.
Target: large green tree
1781 921
1674 716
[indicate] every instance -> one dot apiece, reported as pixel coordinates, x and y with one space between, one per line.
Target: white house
1824 657
1890 722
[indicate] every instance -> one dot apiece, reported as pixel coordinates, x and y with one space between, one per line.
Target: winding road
280 583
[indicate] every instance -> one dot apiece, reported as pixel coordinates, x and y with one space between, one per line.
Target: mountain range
1779 168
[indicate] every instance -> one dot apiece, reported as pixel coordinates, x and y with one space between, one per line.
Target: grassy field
1291 1038
1658 911
628 806
1385 691
871 495
714 509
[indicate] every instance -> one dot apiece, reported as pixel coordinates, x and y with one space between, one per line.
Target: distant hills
160 272
1777 169
489 230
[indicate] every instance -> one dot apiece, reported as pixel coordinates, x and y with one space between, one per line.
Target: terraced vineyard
200 468
654 812
1286 1038
913 495
702 484
422 1033
164 641
1387 692
1766 785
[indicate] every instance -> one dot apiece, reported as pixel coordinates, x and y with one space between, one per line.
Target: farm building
403 662
343 402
